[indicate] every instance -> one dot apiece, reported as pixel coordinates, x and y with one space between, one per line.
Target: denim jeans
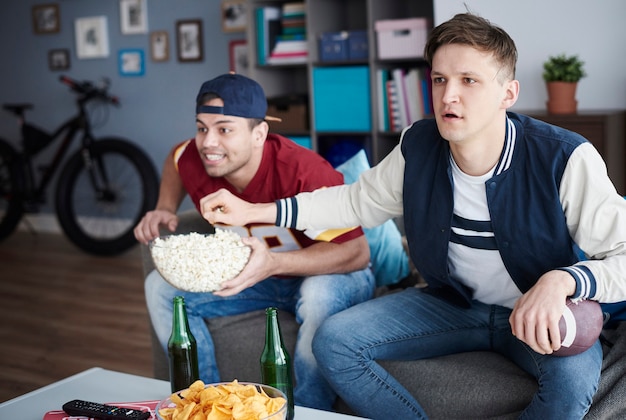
311 299
412 325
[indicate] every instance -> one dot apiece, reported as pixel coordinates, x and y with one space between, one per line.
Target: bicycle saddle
17 109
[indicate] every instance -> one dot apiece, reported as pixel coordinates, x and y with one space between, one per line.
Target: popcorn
196 262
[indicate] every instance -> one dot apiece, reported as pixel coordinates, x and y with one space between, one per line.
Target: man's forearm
325 258
264 213
171 190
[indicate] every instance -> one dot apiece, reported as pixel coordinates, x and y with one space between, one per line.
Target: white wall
595 30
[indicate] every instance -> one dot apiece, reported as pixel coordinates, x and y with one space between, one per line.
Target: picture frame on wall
234 15
131 62
238 56
189 40
59 59
92 37
159 46
46 18
134 16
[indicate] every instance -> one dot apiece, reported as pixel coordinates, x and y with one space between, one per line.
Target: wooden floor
63 311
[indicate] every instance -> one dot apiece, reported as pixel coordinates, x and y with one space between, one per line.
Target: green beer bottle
182 350
275 360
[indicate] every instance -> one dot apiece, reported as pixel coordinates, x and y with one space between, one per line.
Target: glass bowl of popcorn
197 262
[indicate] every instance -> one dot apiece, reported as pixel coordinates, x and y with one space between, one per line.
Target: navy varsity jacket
523 198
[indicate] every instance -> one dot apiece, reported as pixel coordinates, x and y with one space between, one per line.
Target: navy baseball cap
242 96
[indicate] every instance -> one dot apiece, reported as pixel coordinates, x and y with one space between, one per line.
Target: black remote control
103 411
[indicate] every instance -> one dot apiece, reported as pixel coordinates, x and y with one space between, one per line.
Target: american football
580 326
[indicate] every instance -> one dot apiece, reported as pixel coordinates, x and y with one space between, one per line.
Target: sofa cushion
467 385
244 335
492 387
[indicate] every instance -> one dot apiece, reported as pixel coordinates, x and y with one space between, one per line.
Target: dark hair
202 100
479 33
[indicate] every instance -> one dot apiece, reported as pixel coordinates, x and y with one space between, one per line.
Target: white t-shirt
473 258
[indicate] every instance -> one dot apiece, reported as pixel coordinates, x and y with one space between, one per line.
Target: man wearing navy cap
289 269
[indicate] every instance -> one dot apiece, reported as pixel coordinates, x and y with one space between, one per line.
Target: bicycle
103 189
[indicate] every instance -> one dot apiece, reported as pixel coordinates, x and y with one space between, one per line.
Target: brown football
580 326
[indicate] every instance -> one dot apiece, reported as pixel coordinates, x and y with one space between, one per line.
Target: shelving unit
323 16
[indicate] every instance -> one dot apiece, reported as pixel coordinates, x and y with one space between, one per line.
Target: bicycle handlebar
89 91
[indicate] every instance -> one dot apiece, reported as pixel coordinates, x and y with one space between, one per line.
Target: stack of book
268 27
294 19
291 45
404 97
281 34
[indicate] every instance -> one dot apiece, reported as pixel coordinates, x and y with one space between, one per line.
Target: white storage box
401 38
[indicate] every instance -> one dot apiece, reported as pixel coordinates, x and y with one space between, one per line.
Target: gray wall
157 108
594 30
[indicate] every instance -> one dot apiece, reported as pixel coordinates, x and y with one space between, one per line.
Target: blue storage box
333 46
342 100
358 47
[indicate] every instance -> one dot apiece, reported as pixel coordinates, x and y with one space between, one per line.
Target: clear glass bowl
272 392
196 262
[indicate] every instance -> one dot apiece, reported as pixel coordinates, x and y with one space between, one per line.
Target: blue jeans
311 299
412 325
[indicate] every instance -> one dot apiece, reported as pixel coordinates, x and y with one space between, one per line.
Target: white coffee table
102 385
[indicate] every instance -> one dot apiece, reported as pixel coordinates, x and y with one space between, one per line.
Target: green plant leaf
563 68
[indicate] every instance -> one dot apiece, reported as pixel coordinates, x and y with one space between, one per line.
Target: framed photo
234 15
134 16
92 37
131 62
189 40
59 59
159 46
238 56
46 18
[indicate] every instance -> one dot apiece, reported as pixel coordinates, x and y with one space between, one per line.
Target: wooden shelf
605 129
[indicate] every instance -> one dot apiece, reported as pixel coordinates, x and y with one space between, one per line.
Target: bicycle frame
35 189
51 168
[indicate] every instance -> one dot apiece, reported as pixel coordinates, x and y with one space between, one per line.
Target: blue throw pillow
390 263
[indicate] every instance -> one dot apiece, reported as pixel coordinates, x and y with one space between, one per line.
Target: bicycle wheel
11 208
101 199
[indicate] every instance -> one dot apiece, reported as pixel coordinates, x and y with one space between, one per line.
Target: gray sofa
481 385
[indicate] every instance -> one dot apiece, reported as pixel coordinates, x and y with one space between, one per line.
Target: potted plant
561 74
